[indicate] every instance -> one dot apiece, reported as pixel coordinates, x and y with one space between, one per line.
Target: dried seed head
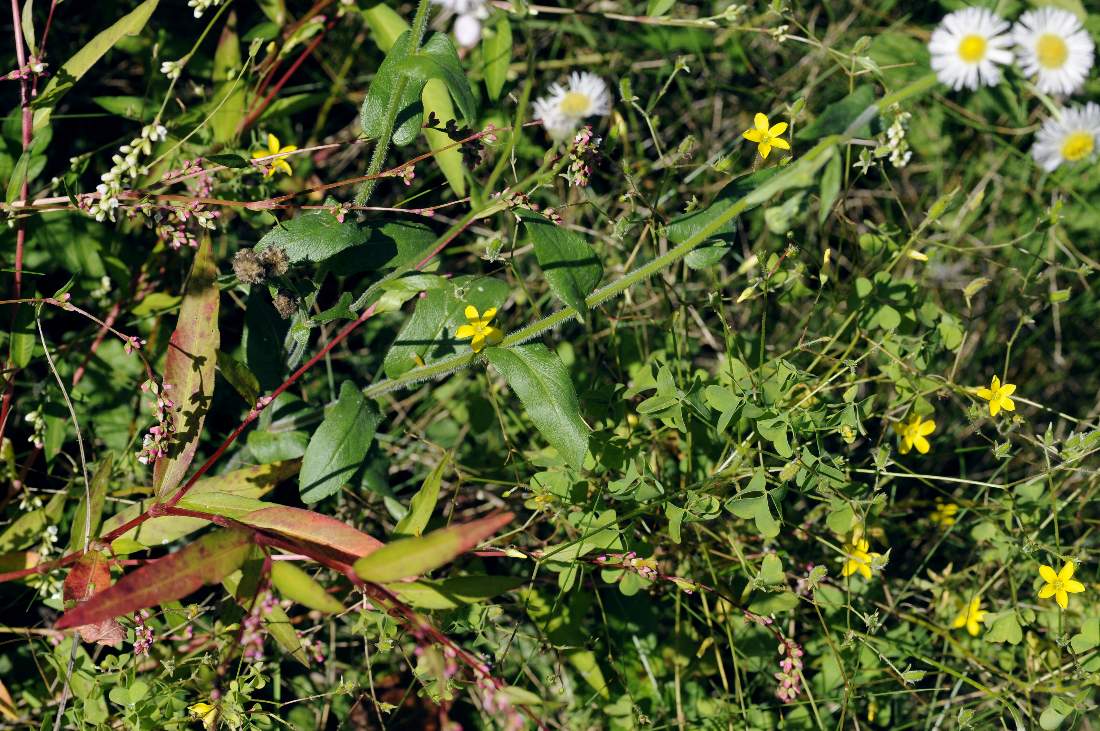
276 261
285 305
248 267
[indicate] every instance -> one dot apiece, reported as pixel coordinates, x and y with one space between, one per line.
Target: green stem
798 174
382 146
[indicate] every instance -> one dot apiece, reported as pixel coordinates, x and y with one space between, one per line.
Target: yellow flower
1059 585
857 556
971 617
479 329
944 514
273 148
998 396
766 137
913 434
206 713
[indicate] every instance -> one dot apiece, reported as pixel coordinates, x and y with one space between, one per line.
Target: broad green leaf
189 368
92 508
1005 628
136 108
542 383
410 557
23 336
314 236
568 261
339 445
345 542
423 502
385 24
771 569
206 561
446 67
496 54
226 505
74 69
830 188
376 104
227 105
752 504
428 334
156 302
657 8
837 116
248 482
296 585
454 592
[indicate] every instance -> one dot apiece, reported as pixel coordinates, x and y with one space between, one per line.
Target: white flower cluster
201 6
565 107
469 15
38 427
895 145
171 69
1051 45
127 166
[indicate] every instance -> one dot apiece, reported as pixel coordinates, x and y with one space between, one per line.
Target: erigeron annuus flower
479 329
1059 585
914 433
563 110
968 47
766 135
1053 45
998 396
273 156
971 617
1072 136
467 25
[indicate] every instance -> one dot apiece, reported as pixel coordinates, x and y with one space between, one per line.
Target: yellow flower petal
926 428
996 384
1073 586
1046 591
1008 389
921 444
287 148
1048 573
471 312
256 155
779 143
1062 598
984 393
959 621
761 122
753 135
1007 404
1067 571
777 129
489 314
765 150
865 570
272 144
478 343
465 331
994 407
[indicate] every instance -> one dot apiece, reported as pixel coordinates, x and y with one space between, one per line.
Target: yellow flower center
1052 51
575 104
1078 145
972 48
1057 584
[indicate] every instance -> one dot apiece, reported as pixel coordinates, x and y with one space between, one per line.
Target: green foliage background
690 413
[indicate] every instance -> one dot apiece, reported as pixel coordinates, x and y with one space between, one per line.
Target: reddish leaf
410 557
89 576
189 368
206 561
321 530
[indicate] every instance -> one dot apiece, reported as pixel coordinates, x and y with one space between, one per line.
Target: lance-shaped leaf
496 54
339 445
313 528
206 561
244 585
90 576
423 502
542 383
454 592
411 557
298 586
247 482
568 262
88 512
189 369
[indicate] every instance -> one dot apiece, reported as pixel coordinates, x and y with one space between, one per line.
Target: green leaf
542 383
411 557
657 8
328 534
189 368
410 114
839 115
453 593
753 504
423 502
206 561
1005 628
239 377
136 108
771 570
18 174
23 336
72 70
156 302
298 586
229 160
428 334
830 188
26 22
568 261
227 104
496 52
339 445
446 67
89 512
314 236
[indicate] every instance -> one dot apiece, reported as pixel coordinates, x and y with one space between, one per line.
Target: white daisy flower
968 46
1072 136
1053 45
563 109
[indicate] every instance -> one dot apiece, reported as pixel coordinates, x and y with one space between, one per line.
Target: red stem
259 109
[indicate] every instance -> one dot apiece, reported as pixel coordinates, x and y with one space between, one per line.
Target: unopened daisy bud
916 255
746 294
